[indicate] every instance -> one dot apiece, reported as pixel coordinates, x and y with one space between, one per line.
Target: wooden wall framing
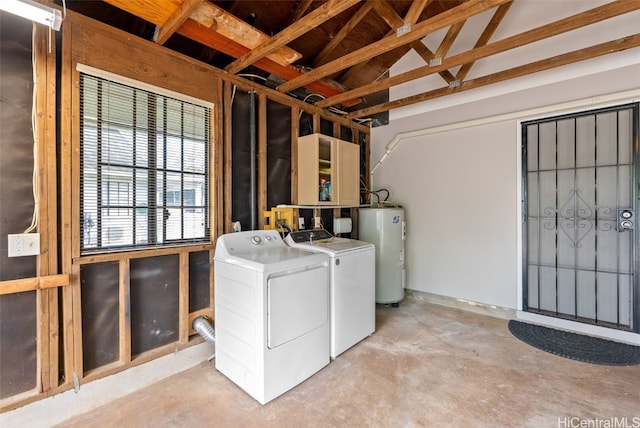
58 284
47 282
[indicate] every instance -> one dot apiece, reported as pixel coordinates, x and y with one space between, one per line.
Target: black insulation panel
278 154
100 309
346 134
16 142
326 127
306 124
241 158
154 295
199 275
18 341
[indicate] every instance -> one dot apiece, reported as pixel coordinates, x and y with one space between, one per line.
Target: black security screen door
580 219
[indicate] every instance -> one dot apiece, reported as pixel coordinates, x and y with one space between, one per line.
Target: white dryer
271 312
353 285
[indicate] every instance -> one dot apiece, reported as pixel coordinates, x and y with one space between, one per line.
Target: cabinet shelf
328 171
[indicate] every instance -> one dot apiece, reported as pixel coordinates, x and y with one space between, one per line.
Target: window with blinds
144 168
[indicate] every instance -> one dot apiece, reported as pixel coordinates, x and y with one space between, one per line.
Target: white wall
459 178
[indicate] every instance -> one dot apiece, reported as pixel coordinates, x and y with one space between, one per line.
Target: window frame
205 209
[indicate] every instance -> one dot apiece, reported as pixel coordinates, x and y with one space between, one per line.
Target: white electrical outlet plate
300 223
24 244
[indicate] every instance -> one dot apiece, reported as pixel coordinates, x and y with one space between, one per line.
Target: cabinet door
348 174
317 161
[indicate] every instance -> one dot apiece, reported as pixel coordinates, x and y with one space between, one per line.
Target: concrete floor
426 365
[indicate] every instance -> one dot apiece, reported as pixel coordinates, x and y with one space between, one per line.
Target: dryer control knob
255 240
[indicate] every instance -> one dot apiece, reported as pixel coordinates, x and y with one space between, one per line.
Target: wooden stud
228 130
217 164
316 123
67 133
42 343
262 158
124 312
184 325
76 325
45 62
295 133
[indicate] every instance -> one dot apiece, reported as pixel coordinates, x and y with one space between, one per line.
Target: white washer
271 312
353 285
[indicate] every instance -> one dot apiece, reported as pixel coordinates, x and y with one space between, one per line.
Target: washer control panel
310 235
249 241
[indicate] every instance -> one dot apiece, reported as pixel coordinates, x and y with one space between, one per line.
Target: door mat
576 346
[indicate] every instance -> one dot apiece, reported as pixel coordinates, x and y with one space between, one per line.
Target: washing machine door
297 303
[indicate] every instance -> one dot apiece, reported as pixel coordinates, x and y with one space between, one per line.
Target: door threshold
578 327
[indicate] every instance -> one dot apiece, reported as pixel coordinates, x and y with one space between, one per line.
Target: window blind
144 168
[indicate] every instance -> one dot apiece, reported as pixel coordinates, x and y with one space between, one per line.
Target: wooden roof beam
394 21
344 32
305 24
174 22
442 20
412 17
301 9
215 19
448 40
415 10
484 38
617 45
591 16
213 39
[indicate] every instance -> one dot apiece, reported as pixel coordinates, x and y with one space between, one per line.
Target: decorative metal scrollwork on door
575 218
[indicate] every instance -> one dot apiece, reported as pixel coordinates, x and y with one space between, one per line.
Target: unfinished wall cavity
18 345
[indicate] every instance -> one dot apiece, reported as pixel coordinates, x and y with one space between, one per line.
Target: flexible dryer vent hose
205 329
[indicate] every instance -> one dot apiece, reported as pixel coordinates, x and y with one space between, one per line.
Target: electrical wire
376 193
255 76
34 131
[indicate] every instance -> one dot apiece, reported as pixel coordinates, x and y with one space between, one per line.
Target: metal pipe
202 326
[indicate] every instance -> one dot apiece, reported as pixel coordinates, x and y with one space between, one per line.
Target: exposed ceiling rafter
555 28
421 29
387 13
484 38
344 32
292 32
344 56
617 45
174 22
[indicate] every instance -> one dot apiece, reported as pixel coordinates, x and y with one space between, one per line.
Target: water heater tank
386 228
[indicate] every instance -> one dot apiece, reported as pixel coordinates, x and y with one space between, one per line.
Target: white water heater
386 229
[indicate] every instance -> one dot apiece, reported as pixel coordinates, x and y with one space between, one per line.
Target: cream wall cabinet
328 171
